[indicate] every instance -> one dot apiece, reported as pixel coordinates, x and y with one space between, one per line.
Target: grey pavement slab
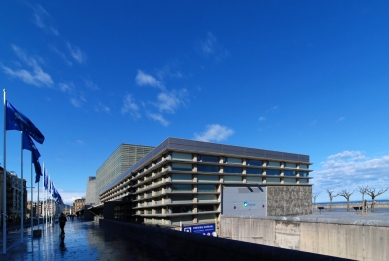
83 241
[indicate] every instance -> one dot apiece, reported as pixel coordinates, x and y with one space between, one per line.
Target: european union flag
28 144
45 179
17 121
38 169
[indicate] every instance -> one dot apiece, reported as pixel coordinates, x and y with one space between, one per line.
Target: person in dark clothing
62 222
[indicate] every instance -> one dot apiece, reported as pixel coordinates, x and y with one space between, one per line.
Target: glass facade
208 158
233 170
252 162
273 172
207 168
253 171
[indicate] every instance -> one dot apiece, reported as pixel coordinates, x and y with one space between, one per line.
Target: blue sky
307 77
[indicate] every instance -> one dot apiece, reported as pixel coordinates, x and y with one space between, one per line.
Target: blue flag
38 170
28 144
45 179
17 121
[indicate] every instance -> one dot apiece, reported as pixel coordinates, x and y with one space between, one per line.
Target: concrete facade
184 181
353 239
289 200
200 247
125 156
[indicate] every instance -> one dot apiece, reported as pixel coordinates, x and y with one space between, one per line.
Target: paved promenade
84 241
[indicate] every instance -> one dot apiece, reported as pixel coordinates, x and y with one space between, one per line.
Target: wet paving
83 241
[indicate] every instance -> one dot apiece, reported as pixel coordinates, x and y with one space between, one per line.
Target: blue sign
205 229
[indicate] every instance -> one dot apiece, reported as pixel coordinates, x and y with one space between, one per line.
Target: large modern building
120 160
185 181
91 196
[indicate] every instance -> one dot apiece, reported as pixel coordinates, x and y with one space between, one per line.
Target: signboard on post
204 229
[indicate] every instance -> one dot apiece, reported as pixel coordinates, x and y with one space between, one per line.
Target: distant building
78 204
90 198
14 195
120 160
186 181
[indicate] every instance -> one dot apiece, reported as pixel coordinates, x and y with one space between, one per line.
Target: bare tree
314 196
363 191
331 194
371 192
346 194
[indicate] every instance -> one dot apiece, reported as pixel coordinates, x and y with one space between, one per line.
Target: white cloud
91 85
102 107
143 79
159 118
75 102
170 102
350 170
61 54
214 132
76 53
341 119
262 118
66 87
210 47
35 77
130 106
42 19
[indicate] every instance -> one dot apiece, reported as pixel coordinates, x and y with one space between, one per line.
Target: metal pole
5 180
31 205
22 192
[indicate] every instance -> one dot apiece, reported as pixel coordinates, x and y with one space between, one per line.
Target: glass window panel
206 218
207 168
206 197
254 179
289 180
183 219
290 165
303 181
159 160
304 174
208 158
289 173
181 187
178 198
205 208
232 160
273 180
181 177
232 170
273 163
254 162
181 156
273 172
232 178
207 178
253 171
206 188
182 166
303 166
181 209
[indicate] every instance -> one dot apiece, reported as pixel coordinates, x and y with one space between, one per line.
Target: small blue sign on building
204 229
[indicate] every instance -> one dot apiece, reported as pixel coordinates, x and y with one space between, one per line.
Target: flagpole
22 192
31 204
5 181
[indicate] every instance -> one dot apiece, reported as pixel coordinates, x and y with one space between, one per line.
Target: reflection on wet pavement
83 241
